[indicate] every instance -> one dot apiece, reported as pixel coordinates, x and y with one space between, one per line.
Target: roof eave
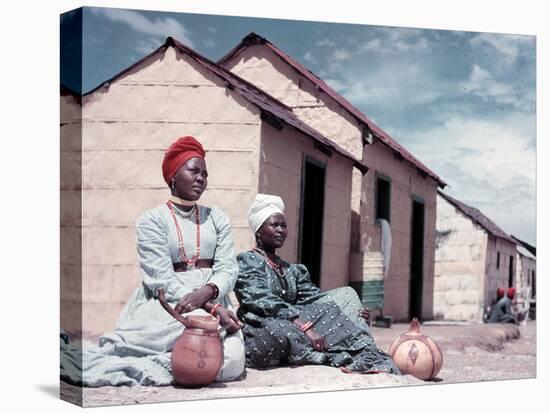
458 205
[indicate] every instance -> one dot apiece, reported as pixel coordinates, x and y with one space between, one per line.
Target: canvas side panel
70 197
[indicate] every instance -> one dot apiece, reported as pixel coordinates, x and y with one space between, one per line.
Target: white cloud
336 85
146 46
389 86
395 39
341 54
508 45
158 28
373 45
482 84
209 42
487 163
309 57
326 42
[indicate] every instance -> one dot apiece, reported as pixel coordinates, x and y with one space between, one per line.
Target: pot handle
168 308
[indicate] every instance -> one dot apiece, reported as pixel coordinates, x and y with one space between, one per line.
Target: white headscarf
263 206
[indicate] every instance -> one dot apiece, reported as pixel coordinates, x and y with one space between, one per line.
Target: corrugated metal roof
524 252
478 217
378 133
530 248
272 109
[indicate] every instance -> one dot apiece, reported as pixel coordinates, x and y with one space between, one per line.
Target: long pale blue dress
138 351
269 303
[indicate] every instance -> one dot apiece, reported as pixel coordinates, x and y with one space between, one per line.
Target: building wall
525 266
281 162
459 275
498 276
127 126
405 183
262 67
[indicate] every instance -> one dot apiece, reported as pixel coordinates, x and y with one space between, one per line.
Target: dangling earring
259 241
173 183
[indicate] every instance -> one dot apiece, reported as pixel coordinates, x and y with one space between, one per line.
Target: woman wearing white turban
287 319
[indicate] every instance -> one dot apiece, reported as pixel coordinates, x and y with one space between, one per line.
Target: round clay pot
416 354
197 355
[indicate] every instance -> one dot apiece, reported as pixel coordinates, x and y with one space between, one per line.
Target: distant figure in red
501 311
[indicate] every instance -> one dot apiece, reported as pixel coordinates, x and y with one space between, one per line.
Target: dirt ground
475 352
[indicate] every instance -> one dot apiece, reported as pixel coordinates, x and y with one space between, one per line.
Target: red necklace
277 267
183 257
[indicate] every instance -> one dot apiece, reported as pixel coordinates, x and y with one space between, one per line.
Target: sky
464 103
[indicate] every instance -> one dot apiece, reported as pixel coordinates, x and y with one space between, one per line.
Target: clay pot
197 355
416 354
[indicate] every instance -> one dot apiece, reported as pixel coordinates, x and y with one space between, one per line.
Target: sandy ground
471 353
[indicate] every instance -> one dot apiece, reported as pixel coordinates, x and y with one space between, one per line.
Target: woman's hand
316 340
195 299
228 319
365 314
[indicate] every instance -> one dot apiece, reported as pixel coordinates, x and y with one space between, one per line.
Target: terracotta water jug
197 355
416 354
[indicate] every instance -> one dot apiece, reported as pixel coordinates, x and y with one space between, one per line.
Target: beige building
525 281
473 258
112 145
398 187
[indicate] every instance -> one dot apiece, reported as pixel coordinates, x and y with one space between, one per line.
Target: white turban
263 206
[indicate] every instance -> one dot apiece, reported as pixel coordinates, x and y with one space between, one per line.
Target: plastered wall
459 276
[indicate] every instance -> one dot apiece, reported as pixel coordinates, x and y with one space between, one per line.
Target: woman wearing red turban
186 249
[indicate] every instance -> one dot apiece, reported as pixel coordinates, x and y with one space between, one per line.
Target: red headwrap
500 292
178 154
511 292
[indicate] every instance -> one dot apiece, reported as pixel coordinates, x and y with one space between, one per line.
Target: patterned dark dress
269 303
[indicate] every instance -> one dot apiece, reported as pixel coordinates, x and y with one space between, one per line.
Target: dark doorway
311 217
533 284
417 259
383 198
511 272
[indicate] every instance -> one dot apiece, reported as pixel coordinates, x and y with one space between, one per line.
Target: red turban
511 292
500 292
178 154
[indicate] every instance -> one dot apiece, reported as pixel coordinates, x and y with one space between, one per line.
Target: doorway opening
311 217
383 198
417 258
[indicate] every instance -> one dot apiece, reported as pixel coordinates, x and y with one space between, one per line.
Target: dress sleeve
224 269
306 289
154 258
253 291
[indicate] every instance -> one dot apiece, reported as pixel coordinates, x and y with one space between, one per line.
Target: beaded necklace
278 267
183 257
